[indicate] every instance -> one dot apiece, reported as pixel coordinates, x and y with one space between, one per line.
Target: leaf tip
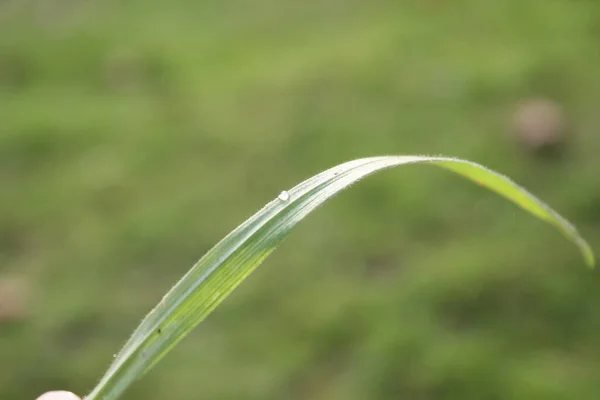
588 254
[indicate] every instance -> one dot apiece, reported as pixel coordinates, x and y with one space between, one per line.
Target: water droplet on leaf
284 196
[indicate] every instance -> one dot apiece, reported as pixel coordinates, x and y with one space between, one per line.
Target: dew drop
284 196
114 356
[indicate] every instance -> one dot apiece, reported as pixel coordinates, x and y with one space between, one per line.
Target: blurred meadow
135 134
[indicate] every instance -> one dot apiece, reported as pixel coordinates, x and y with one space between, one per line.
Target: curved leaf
227 264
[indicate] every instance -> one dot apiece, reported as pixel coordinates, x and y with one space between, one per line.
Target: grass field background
135 134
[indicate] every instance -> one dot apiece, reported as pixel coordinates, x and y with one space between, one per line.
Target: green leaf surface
227 264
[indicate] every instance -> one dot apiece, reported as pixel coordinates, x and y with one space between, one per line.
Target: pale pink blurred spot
60 395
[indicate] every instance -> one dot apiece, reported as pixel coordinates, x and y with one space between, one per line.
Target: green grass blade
227 264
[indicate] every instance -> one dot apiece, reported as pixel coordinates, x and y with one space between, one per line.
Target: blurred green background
135 134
